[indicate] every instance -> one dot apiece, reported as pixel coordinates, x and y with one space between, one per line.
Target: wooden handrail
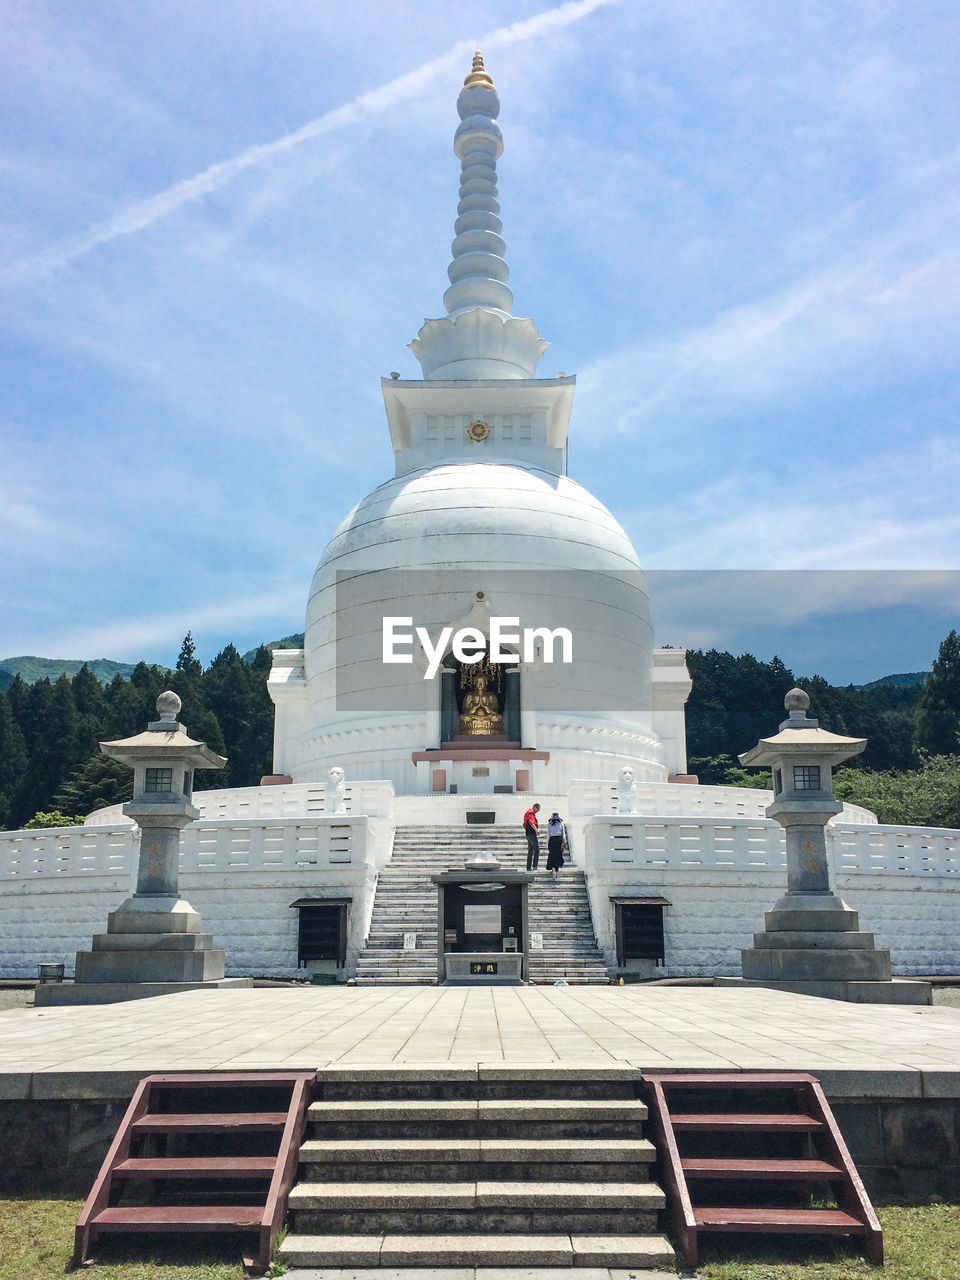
267 1218
671 1172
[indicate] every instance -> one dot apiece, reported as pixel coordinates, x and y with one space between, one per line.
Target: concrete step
472 1110
405 902
472 1250
463 1219
516 1159
566 1195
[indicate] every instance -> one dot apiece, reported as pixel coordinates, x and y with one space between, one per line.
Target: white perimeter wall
58 886
708 850
721 874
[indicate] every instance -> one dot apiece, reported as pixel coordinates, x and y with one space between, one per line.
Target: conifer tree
938 712
188 662
98 782
56 742
13 762
87 693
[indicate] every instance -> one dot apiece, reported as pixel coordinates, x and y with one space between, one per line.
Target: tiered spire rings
479 338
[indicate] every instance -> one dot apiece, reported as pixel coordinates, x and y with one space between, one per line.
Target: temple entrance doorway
483 927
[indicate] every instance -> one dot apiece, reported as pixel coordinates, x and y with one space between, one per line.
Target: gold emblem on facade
478 431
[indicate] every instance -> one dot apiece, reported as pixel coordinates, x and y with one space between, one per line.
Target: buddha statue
480 712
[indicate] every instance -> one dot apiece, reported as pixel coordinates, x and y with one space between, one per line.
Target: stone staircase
406 902
476 1166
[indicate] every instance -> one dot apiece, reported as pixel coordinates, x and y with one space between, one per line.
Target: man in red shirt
532 830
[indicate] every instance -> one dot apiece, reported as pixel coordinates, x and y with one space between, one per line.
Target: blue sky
736 222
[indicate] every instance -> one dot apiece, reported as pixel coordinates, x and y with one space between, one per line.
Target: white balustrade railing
221 846
290 800
635 841
66 851
287 843
889 850
743 845
686 800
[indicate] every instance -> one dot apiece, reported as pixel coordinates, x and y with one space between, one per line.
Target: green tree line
50 763
910 770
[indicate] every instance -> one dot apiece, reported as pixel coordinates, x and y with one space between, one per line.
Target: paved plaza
90 1050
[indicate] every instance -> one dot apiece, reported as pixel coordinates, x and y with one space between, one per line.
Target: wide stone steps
406 902
469 1250
428 1171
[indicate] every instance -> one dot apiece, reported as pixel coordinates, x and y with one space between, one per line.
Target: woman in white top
556 844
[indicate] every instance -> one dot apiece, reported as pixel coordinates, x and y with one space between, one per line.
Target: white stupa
387 847
479 521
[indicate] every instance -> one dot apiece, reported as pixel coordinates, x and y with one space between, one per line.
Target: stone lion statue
627 790
336 791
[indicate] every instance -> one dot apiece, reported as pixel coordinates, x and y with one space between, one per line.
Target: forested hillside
50 730
50 764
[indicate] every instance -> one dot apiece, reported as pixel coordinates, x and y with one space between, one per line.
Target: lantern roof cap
166 739
801 735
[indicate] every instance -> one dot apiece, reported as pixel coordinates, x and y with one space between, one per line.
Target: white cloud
144 213
133 636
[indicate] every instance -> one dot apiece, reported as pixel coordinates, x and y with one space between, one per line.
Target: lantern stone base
813 945
158 964
896 991
113 992
153 940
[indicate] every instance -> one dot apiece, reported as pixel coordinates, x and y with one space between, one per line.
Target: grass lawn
36 1243
919 1243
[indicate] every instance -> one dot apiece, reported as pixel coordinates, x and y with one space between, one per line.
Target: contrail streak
144 213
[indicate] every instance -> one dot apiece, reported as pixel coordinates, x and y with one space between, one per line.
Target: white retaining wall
58 886
255 850
721 875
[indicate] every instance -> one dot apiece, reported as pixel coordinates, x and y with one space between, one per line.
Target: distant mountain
31 669
288 642
907 680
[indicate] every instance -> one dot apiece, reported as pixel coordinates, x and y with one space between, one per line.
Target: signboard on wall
481 918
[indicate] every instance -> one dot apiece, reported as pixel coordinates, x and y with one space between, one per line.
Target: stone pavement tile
14 1085
521 1250
410 1273
637 1273
357 1251
629 1251
51 1085
410 1070
386 1273
938 1083
543 1273
868 1082
565 1070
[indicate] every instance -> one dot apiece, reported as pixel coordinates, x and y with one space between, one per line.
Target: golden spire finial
478 75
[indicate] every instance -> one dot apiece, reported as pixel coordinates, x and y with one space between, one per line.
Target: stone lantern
812 942
163 760
153 944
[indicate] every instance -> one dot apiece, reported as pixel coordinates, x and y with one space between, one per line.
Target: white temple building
479 521
359 857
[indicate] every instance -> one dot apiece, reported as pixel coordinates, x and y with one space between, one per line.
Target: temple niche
480 700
